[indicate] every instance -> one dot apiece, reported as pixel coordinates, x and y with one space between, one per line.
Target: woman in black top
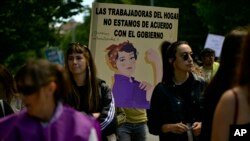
175 108
90 94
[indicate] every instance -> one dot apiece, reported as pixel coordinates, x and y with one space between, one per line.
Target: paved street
151 137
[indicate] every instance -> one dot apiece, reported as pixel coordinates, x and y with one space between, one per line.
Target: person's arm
154 58
158 105
223 117
153 123
107 114
121 116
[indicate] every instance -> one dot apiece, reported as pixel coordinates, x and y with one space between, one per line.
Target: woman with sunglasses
89 93
177 97
42 85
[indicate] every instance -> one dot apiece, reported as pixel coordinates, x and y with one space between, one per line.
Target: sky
79 17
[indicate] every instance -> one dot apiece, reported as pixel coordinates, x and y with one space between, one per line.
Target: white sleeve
93 135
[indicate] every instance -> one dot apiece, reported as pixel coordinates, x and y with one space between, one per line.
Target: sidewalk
151 137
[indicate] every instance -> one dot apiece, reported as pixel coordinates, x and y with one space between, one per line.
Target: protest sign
139 29
214 42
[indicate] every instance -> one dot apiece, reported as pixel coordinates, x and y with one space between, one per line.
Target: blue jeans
132 132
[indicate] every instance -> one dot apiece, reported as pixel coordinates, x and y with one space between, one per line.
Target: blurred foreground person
42 86
223 79
232 114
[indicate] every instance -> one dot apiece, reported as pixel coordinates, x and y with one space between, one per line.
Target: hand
145 86
196 128
152 56
177 128
96 115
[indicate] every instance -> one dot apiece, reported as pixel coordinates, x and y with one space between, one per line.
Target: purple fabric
128 94
68 125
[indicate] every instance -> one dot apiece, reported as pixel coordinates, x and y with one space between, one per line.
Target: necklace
180 82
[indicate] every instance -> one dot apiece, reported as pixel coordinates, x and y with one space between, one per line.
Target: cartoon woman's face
125 63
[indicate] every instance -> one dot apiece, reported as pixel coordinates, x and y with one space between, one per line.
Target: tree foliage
28 25
197 18
220 16
81 31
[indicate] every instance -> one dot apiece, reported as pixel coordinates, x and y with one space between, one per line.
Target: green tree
220 16
27 26
191 27
197 18
81 31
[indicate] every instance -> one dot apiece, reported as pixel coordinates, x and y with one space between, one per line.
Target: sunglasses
185 56
27 90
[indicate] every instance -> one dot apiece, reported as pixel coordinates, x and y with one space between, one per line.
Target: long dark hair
168 68
91 79
7 81
224 78
164 47
244 67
